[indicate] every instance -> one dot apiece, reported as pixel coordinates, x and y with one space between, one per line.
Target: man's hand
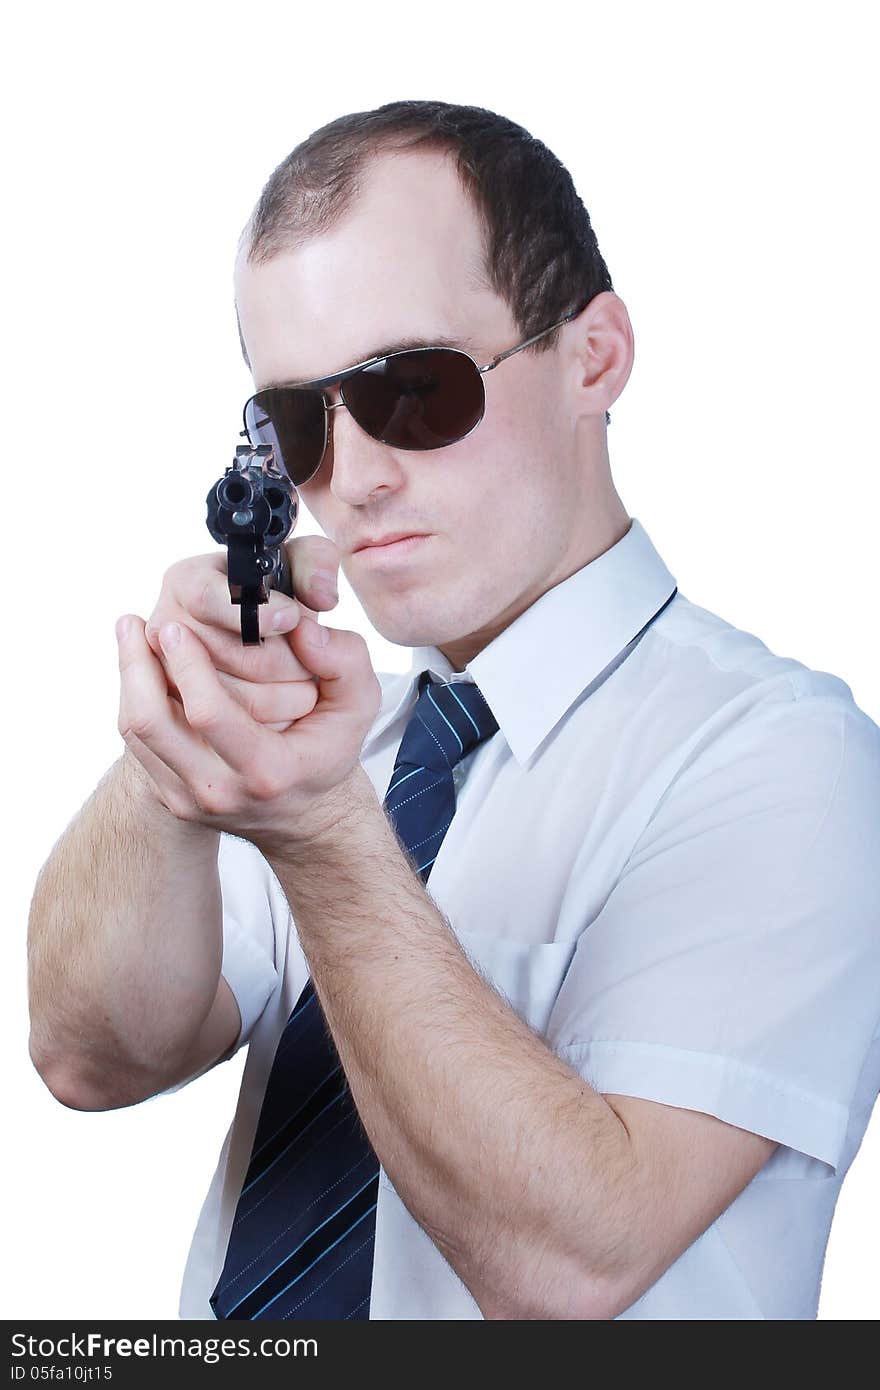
197 715
272 685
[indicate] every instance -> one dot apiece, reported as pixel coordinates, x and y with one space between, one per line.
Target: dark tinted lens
294 422
417 400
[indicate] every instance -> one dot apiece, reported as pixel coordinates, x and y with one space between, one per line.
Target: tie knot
448 721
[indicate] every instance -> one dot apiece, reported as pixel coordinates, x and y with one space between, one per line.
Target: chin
415 617
404 630
406 636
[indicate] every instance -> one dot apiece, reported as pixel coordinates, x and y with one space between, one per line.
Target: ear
604 349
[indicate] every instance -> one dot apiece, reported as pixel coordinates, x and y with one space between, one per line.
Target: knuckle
142 723
267 704
203 717
263 786
251 663
307 553
203 591
191 582
324 555
348 644
192 592
188 590
182 807
361 650
254 702
262 704
174 576
166 610
215 798
307 692
324 551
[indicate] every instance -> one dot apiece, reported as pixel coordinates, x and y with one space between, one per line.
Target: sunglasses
419 398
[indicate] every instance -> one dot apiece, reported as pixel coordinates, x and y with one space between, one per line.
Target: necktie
301 1244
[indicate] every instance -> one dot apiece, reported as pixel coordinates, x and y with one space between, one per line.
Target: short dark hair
541 254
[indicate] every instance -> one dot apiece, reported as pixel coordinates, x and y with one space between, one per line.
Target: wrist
144 802
327 823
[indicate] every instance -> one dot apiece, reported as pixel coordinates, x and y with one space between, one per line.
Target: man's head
428 221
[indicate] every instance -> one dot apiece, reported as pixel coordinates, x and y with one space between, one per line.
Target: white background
726 154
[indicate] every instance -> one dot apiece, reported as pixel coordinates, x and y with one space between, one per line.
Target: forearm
521 1174
124 943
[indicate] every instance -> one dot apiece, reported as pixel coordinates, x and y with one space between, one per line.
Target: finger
270 660
196 590
279 701
203 593
314 568
148 715
349 691
211 712
199 586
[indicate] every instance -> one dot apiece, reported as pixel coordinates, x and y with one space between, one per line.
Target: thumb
347 683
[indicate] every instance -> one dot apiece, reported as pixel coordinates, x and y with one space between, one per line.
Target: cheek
499 484
493 520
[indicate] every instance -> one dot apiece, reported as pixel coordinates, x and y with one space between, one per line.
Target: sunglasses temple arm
528 342
251 502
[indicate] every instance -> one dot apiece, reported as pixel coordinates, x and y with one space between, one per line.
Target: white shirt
667 860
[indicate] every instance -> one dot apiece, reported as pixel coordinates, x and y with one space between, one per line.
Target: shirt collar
534 670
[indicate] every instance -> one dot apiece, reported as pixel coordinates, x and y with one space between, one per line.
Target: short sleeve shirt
667 860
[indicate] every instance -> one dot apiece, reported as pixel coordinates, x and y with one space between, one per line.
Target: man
557 955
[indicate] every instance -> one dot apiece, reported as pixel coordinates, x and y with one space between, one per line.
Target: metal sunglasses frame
319 382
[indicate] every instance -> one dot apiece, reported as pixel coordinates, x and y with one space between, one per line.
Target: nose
360 466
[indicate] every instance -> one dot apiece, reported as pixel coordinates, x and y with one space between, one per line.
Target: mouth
403 546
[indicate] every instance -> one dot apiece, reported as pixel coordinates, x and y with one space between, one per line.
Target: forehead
405 261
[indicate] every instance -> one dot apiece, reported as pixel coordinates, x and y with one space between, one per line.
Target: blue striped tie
301 1244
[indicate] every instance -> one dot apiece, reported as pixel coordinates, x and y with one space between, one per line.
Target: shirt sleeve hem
729 1089
249 974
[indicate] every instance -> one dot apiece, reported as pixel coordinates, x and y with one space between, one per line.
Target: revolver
252 509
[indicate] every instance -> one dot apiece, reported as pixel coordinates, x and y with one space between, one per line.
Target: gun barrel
235 491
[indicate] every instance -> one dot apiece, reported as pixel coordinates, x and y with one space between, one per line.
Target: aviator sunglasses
418 398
